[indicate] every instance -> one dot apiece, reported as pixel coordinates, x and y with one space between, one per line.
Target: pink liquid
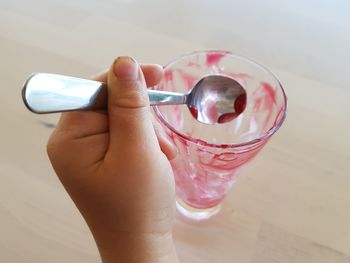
194 112
227 117
239 107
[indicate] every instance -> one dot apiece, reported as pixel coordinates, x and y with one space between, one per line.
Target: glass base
196 213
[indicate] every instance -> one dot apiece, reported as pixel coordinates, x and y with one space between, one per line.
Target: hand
115 167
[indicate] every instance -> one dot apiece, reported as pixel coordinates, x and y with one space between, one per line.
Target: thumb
129 114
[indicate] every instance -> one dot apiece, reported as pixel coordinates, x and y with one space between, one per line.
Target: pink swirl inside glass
210 155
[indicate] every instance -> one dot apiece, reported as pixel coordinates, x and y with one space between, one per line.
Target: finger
167 147
153 74
128 107
80 124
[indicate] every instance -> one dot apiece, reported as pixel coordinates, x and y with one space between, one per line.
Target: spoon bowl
216 99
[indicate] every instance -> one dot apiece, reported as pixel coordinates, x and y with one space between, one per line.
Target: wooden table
292 205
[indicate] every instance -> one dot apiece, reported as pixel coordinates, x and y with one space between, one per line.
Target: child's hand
115 167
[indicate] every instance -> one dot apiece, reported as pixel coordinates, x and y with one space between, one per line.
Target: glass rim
260 138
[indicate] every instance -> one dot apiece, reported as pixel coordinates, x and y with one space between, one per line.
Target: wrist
136 248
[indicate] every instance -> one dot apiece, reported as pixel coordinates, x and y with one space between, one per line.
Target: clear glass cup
211 156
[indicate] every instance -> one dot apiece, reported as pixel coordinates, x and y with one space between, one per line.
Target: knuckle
57 144
52 146
132 98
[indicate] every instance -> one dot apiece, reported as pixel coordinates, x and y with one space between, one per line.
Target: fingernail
126 68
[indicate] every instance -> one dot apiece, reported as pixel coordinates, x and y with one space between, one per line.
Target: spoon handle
157 97
49 93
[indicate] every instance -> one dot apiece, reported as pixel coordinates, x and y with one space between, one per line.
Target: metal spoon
213 99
